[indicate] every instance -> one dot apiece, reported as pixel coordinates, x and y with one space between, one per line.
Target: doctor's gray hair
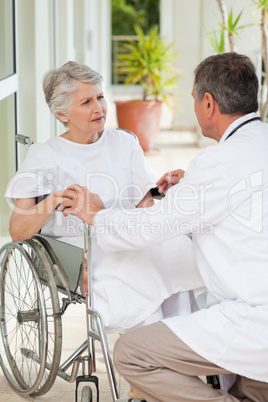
60 83
232 81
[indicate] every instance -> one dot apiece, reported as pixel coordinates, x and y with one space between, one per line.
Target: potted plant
147 62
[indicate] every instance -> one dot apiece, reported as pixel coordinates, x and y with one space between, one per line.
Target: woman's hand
147 201
80 202
169 179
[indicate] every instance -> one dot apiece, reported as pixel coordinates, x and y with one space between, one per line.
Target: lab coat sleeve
194 205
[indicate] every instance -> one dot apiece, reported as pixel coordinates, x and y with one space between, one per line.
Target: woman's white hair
60 83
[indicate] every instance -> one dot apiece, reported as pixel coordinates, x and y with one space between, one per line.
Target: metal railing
117 48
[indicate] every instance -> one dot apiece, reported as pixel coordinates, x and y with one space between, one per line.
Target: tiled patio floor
175 150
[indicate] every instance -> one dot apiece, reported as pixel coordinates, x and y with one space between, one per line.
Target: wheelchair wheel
86 394
30 319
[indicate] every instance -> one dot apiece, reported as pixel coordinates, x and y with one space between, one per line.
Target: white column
65 31
100 48
92 28
44 129
167 19
81 31
93 35
104 35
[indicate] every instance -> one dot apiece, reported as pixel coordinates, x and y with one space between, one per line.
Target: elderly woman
130 287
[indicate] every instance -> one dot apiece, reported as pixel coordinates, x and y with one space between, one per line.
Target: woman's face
87 113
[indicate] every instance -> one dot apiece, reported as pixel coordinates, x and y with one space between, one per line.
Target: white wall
186 23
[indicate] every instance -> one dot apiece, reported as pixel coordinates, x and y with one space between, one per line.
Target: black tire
86 394
31 322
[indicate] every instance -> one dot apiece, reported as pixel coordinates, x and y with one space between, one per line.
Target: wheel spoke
31 331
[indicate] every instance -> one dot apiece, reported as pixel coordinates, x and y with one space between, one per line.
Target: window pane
126 14
7 157
6 38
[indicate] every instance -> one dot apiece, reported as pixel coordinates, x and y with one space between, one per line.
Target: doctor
222 200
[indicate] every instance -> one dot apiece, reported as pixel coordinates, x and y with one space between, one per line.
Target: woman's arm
28 217
147 201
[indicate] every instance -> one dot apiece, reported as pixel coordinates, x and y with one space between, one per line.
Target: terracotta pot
142 118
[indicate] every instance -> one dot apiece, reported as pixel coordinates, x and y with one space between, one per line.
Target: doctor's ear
210 102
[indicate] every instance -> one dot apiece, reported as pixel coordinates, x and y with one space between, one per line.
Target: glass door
8 89
7 49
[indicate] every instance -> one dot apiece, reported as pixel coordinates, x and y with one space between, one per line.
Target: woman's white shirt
128 285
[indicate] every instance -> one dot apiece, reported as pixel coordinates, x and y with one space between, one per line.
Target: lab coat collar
236 123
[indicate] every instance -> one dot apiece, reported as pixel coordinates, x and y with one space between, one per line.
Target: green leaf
149 62
218 45
232 27
261 4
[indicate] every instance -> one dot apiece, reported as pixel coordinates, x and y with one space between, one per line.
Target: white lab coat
222 200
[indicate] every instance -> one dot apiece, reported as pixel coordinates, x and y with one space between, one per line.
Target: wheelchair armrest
155 193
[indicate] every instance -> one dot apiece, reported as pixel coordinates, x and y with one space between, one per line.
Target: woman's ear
62 117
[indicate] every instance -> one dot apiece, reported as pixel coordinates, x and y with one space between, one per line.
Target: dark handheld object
155 193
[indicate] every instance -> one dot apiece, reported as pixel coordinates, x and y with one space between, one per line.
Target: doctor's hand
80 202
169 179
